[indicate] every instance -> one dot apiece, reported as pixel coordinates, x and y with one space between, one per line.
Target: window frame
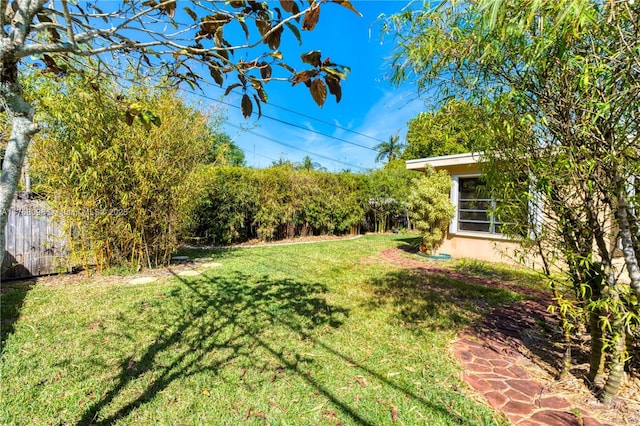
454 226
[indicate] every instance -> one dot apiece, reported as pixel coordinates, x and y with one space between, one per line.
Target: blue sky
370 104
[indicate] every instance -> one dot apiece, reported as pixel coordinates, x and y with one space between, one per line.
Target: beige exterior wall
465 244
480 245
480 248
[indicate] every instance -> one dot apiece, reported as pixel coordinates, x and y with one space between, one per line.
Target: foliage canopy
457 127
114 185
561 81
158 40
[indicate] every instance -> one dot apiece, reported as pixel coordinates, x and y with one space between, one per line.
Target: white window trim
454 196
535 207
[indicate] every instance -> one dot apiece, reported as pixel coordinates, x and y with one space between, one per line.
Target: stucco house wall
490 246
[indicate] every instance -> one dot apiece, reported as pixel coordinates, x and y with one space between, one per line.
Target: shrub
233 204
430 207
114 184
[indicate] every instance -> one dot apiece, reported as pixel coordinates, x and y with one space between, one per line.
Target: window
474 209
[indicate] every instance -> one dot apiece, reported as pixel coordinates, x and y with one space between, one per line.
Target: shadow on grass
220 314
507 307
233 316
436 302
12 296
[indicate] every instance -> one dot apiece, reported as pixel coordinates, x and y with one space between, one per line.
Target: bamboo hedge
233 204
113 182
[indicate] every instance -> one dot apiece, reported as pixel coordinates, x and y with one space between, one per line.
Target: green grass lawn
323 333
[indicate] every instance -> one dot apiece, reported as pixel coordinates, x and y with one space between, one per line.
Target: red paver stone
491 376
516 419
498 384
528 422
464 355
496 399
481 352
499 363
528 387
477 368
478 383
518 408
506 373
517 371
555 418
554 403
483 362
518 396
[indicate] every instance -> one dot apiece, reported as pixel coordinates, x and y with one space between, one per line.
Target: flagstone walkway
491 361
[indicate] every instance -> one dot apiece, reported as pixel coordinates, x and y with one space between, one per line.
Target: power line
295 147
291 124
264 156
310 117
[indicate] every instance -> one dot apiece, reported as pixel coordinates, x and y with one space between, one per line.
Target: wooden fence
34 241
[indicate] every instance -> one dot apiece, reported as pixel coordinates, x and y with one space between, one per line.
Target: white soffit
444 161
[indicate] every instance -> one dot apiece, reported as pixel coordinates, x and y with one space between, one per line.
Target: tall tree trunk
565 324
20 113
629 254
596 360
618 350
593 296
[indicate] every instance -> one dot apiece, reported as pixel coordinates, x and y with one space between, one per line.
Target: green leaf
273 40
216 74
155 120
135 108
295 31
245 28
231 87
334 86
304 76
287 5
145 118
335 72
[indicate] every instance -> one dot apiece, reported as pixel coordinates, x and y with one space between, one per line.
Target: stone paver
491 364
208 265
142 280
188 273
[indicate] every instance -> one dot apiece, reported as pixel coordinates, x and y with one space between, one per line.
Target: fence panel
34 241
